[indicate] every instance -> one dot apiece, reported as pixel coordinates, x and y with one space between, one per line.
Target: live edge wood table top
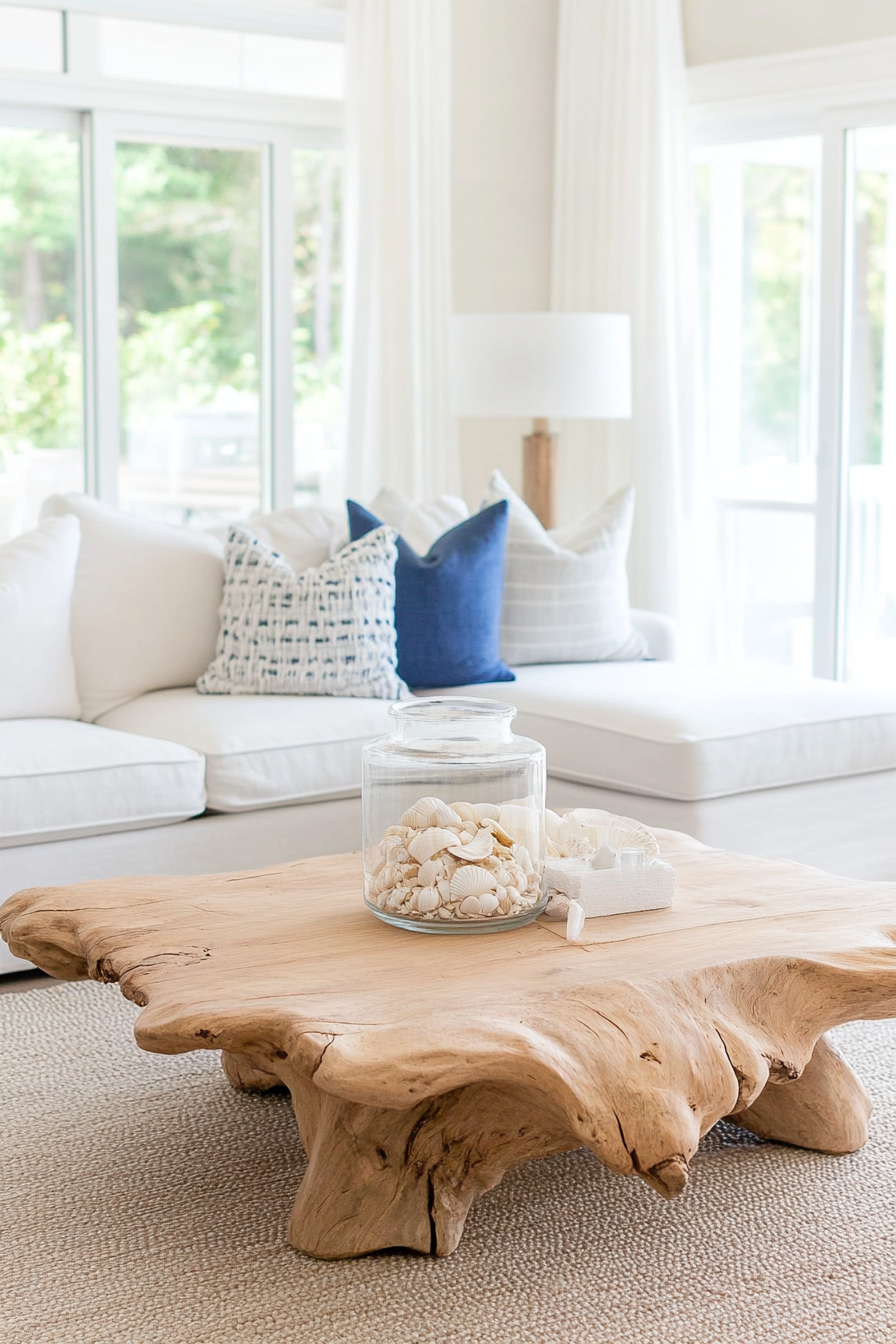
422 1068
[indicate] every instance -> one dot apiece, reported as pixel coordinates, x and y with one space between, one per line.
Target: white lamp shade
542 364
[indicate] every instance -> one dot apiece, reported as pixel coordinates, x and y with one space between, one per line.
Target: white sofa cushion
671 730
145 603
263 751
566 591
37 671
60 778
304 535
420 525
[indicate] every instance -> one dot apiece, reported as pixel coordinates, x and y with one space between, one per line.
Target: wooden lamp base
540 472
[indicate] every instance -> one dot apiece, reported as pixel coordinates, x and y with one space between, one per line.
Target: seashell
444 913
522 825
487 810
552 824
505 904
466 812
444 889
387 877
504 877
488 903
478 848
521 854
557 906
618 832
375 861
425 900
501 836
470 906
429 812
429 872
426 844
472 881
604 856
513 896
398 832
396 897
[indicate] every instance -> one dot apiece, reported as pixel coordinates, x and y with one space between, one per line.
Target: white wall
728 30
503 129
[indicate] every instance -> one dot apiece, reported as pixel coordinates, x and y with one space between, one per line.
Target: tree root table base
421 1069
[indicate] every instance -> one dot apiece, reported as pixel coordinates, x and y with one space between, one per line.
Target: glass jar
453 808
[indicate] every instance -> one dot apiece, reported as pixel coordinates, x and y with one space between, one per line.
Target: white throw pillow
305 536
37 671
419 524
145 604
566 591
325 631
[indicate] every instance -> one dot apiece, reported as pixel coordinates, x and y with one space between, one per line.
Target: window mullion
101 311
279 361
833 398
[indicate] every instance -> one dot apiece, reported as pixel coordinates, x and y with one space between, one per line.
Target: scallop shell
429 872
488 810
466 812
425 900
472 881
430 812
470 906
488 903
479 848
430 842
618 832
444 889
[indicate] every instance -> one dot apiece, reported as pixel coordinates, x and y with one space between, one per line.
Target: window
169 269
41 400
797 239
869 635
758 226
189 256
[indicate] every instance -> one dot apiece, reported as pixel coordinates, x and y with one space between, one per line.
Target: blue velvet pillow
448 603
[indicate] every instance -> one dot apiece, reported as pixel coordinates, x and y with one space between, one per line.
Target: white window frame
828 92
103 112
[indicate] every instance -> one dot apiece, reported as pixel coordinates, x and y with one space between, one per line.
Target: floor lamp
544 365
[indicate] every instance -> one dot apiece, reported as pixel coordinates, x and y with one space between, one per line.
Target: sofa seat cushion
60 779
263 750
671 730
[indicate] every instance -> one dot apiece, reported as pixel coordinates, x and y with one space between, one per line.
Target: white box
611 891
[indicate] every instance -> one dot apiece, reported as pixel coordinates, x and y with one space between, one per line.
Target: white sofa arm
661 633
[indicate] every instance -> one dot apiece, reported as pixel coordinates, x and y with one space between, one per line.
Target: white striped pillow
566 591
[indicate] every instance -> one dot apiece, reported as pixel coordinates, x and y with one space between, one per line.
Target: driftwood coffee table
422 1068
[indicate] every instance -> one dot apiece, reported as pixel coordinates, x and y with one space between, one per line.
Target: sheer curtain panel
398 247
623 241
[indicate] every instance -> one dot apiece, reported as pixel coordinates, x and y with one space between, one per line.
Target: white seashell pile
584 831
458 861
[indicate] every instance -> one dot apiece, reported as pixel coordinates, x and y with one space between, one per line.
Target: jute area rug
144 1200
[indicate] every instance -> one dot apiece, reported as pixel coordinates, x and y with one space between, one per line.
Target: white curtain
399 428
623 241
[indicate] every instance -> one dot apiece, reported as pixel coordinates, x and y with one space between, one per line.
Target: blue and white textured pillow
323 631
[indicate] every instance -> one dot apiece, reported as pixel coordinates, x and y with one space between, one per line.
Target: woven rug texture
143 1201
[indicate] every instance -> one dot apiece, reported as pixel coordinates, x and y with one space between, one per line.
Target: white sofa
157 778
173 781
